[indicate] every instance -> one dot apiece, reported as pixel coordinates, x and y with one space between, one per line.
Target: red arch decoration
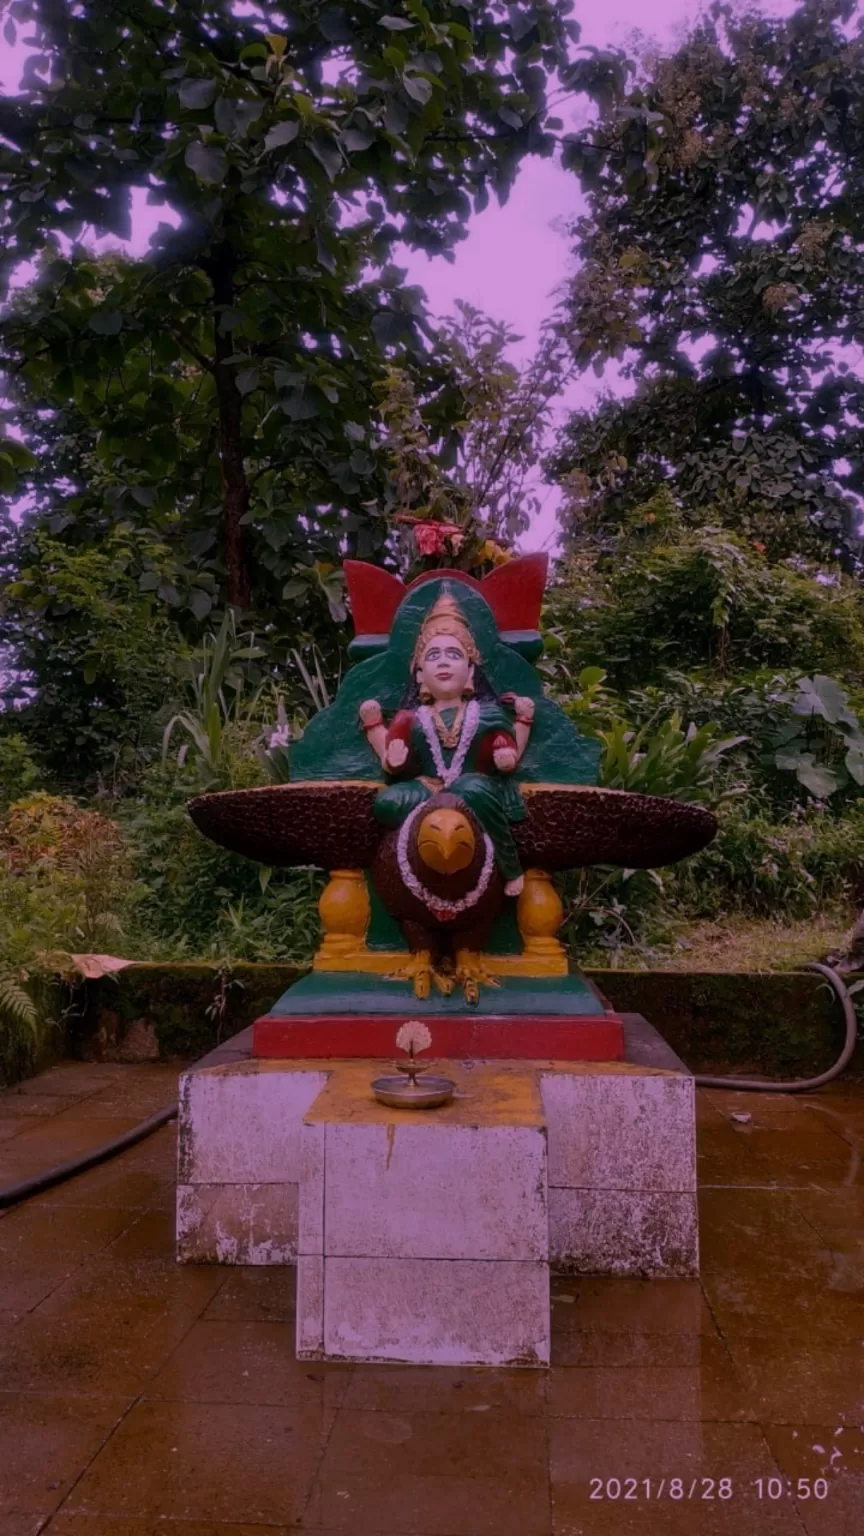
514 592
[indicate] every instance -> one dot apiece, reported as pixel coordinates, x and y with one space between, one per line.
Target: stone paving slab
138 1396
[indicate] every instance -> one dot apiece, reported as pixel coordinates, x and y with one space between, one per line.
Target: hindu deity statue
441 791
453 732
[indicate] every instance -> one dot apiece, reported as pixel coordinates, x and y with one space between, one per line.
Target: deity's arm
398 753
497 749
523 709
373 727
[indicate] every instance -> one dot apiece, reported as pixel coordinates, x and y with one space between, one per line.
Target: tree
721 263
299 144
479 480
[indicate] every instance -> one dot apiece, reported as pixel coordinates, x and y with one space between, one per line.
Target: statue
441 791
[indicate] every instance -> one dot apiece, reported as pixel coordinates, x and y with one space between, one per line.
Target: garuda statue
441 791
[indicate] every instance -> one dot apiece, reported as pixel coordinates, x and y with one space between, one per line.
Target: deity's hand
370 714
397 754
505 759
524 708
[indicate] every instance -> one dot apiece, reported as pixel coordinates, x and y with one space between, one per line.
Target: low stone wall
153 1012
779 1023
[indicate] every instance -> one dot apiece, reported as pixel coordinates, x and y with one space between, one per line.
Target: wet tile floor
139 1397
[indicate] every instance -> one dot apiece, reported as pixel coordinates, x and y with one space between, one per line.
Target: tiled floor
139 1397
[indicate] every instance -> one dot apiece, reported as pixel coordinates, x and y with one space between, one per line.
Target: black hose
802 1084
13 1194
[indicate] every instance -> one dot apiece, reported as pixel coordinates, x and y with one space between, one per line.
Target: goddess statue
453 732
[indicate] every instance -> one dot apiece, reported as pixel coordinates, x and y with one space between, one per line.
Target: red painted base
457 1037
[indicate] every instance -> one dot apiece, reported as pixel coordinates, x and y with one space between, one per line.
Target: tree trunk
235 486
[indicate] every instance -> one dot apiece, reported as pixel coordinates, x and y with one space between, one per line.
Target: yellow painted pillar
344 911
539 913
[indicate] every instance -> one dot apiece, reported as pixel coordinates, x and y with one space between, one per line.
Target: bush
19 773
198 900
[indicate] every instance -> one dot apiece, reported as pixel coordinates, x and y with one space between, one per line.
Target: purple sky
513 259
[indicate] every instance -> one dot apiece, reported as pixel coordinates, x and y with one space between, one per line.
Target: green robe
493 797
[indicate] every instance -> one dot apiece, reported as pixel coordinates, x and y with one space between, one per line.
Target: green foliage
66 881
797 866
720 264
223 388
217 683
665 758
103 657
200 901
663 595
823 744
66 888
19 774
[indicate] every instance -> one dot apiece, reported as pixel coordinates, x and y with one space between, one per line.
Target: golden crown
445 617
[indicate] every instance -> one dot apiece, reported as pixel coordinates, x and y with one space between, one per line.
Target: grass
752 944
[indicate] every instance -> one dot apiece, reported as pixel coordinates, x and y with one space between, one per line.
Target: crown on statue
445 618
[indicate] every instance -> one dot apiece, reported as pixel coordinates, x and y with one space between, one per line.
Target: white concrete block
237 1223
436 1191
310 1307
437 1312
619 1131
623 1232
310 1222
241 1123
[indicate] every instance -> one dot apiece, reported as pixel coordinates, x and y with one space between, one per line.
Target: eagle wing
331 823
570 826
328 823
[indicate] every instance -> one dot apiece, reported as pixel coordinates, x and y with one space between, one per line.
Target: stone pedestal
427 1237
424 1238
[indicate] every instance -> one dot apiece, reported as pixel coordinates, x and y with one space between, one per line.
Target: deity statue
453 732
441 791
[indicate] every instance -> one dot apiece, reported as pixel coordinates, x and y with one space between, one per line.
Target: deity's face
445 669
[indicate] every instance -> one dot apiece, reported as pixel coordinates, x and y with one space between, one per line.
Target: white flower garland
470 722
440 908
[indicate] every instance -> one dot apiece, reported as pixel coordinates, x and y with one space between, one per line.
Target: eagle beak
446 842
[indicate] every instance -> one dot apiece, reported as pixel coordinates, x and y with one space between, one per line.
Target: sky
513 259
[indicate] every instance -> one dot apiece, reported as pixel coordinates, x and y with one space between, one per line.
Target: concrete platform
587 1166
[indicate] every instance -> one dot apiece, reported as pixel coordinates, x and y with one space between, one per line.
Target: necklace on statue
470 722
448 735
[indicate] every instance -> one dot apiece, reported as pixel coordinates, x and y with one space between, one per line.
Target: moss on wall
163 1011
782 1024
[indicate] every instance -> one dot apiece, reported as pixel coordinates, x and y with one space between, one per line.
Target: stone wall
779 1023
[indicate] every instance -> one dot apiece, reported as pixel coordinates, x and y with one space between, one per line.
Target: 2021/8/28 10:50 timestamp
632 1489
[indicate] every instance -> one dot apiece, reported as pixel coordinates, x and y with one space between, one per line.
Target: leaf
210 165
328 154
820 781
355 140
247 380
854 761
282 134
200 602
197 94
396 23
277 44
235 118
94 966
418 88
106 322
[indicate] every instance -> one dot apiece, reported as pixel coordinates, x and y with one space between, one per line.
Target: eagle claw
472 974
422 972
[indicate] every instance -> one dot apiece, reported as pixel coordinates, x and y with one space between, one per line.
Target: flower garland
469 730
440 908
